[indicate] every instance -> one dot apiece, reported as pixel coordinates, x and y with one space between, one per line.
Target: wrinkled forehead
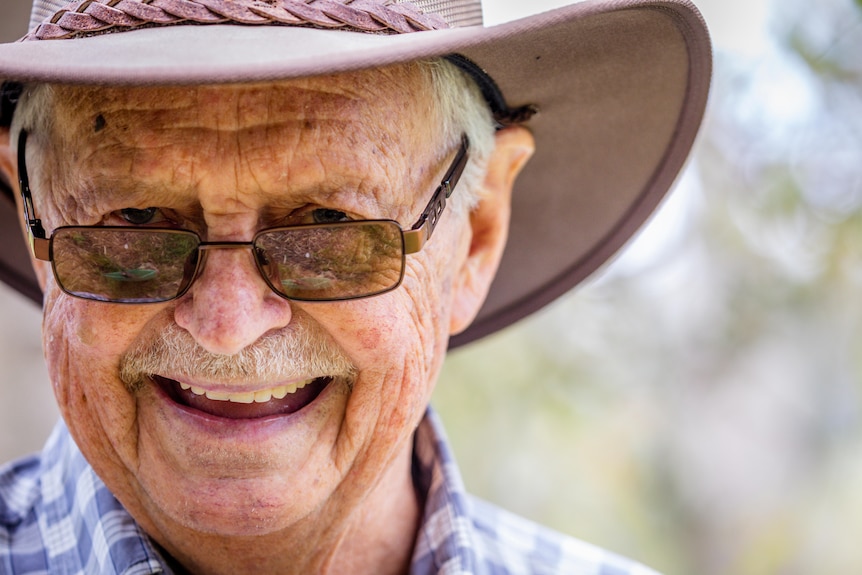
387 103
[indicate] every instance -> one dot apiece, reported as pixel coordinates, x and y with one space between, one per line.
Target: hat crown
456 13
43 9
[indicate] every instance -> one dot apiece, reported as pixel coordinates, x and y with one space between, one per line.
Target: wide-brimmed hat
613 91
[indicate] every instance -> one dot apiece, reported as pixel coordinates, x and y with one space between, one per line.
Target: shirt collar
88 530
445 542
85 528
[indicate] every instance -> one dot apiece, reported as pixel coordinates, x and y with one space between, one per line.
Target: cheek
83 342
370 337
93 334
401 327
403 335
428 286
395 341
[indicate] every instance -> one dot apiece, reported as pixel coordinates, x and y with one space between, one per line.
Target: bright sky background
736 25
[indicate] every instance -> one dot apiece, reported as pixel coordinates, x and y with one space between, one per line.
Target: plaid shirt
57 517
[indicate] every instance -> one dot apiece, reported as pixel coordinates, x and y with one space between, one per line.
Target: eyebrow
368 200
350 189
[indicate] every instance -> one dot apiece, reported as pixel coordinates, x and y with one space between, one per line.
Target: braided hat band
56 19
93 17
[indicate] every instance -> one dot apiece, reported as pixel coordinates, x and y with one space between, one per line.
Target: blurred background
697 404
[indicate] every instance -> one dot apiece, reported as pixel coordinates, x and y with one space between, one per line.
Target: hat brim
621 88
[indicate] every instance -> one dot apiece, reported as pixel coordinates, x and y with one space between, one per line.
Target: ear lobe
489 225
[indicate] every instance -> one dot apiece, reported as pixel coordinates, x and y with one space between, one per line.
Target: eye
139 217
328 216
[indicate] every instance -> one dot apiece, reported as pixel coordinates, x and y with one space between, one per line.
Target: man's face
227 162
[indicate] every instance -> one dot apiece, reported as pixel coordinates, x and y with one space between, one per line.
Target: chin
238 508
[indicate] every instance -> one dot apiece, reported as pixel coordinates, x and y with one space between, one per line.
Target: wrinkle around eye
313 213
329 215
159 217
137 216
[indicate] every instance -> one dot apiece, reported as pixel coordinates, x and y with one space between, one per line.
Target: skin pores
327 488
225 162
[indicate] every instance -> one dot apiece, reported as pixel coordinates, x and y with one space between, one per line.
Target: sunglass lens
332 262
124 265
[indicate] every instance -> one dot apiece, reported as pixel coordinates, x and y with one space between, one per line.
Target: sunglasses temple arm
415 238
421 232
39 246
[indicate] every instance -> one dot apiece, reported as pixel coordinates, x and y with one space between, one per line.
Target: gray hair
463 110
459 104
34 111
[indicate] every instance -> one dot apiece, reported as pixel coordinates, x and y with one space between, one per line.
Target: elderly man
254 227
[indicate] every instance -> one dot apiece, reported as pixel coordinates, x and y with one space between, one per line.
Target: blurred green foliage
698 404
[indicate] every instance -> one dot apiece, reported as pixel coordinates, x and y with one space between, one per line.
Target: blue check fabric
57 517
464 535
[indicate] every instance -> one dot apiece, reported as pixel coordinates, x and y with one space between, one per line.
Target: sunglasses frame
413 239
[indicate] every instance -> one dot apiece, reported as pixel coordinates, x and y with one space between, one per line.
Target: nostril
230 306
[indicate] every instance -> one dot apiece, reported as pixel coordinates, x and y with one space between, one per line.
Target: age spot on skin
100 123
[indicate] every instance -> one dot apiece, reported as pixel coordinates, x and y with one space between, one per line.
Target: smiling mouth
281 400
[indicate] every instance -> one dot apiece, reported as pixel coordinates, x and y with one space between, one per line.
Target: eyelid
138 216
306 215
332 212
162 217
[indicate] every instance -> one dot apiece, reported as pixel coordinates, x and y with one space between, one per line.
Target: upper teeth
261 396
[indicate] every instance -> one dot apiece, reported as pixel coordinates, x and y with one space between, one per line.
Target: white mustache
300 352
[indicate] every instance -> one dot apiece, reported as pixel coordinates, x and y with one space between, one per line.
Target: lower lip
223 425
291 403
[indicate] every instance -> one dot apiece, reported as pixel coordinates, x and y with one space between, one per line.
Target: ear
489 225
9 174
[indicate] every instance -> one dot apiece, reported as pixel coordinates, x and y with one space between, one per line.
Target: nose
229 306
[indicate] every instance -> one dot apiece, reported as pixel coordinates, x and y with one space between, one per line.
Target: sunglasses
315 262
